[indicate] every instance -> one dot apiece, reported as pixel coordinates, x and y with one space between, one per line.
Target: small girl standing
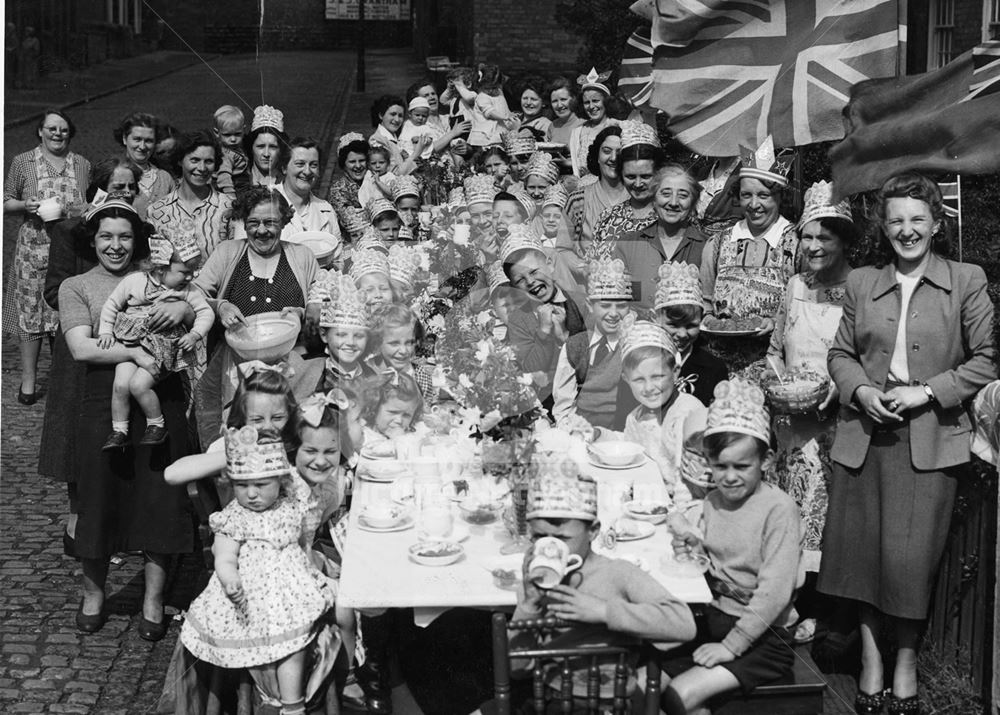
262 603
396 332
490 113
123 319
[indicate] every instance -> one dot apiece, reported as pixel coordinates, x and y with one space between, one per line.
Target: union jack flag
985 70
755 68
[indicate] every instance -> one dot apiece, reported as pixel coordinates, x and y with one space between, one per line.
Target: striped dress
209 222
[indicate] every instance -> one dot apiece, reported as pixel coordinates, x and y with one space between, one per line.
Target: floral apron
31 257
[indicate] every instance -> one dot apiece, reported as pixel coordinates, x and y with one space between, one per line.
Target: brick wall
522 36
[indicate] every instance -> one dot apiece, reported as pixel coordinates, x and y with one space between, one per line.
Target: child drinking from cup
262 603
123 319
752 533
396 332
679 307
607 601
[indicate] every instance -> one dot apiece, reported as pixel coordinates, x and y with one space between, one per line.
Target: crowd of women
152 254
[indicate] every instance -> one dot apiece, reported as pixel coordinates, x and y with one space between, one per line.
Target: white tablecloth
377 572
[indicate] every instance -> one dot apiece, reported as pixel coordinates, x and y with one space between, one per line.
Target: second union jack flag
731 72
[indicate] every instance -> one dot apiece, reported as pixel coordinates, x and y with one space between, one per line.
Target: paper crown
371 240
349 138
404 262
418 103
595 80
527 203
405 186
456 199
762 164
819 204
739 407
343 306
368 261
247 458
106 203
635 132
267 116
354 220
519 142
542 164
644 334
678 284
560 491
555 195
495 277
607 280
479 189
378 206
519 236
163 246
405 234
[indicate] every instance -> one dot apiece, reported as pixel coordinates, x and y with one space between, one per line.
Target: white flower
436 324
526 379
482 350
464 381
483 319
470 416
438 378
460 241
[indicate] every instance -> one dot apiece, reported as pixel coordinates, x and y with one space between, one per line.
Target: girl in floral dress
261 606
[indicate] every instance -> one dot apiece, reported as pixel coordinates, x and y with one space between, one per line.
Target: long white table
377 572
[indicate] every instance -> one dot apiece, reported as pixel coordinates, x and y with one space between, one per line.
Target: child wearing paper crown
123 319
345 322
751 533
679 309
665 417
607 601
261 606
588 377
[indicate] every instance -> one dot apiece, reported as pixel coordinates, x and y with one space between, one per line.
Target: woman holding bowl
673 236
586 204
913 347
263 145
594 92
195 207
124 504
50 171
746 268
137 133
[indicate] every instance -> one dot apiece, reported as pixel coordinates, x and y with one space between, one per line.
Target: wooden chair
544 697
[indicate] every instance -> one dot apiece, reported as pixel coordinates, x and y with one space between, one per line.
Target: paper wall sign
374 10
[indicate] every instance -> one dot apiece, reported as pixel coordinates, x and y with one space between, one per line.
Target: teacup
436 521
382 514
50 209
551 562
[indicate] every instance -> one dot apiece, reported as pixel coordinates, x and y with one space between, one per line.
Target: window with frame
991 20
941 33
125 12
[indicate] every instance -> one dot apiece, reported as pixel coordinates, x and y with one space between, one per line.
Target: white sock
120 426
155 421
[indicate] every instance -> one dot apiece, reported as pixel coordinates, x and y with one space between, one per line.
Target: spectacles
252 224
56 130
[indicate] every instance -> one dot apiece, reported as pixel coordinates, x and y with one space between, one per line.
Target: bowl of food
436 553
479 511
267 337
691 564
383 515
616 454
797 392
653 512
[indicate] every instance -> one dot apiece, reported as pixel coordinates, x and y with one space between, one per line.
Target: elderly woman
638 160
803 335
914 345
594 93
532 114
672 237
352 159
137 133
586 204
745 268
49 171
195 207
244 277
263 145
124 502
562 97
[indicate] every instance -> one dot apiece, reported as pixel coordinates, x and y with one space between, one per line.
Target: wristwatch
930 393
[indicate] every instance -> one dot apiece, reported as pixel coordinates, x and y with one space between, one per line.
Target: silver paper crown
555 195
479 189
108 203
739 407
343 306
371 240
542 164
561 492
379 206
404 262
368 261
527 203
635 132
643 333
456 199
607 280
354 219
267 116
247 458
405 186
519 142
348 139
495 277
678 284
762 164
819 204
595 80
519 236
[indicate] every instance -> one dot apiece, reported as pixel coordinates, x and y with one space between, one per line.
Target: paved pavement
45 665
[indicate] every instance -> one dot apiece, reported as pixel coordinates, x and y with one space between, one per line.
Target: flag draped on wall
946 121
731 72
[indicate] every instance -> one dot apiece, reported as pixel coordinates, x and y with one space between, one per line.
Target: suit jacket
949 347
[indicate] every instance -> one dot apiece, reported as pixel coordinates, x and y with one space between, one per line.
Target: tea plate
402 525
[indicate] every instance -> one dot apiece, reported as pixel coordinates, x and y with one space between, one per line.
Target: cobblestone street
46 666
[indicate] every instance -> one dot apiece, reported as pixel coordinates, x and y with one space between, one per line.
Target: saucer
634 530
405 523
632 465
436 553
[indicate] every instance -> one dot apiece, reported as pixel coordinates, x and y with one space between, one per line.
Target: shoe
69 546
353 697
90 624
904 706
378 696
150 631
26 399
115 441
153 435
865 704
